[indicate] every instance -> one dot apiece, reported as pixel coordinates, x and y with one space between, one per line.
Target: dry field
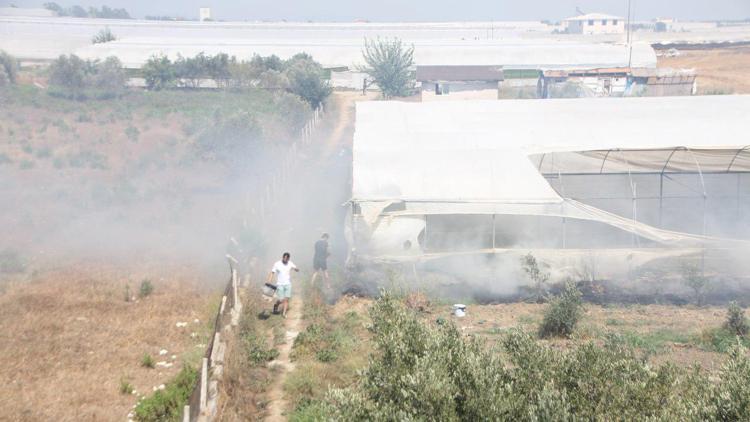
720 71
68 338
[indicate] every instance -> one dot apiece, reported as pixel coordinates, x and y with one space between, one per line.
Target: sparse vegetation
11 262
538 277
103 36
426 372
8 69
147 287
736 321
125 386
389 63
74 78
147 361
693 278
562 314
167 404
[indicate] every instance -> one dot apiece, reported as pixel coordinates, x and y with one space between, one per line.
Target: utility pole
629 36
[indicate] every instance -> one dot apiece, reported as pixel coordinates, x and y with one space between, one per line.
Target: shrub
103 36
736 321
306 80
562 314
73 78
168 404
158 73
132 133
693 278
26 164
421 372
258 351
146 288
8 69
147 361
538 277
126 387
11 262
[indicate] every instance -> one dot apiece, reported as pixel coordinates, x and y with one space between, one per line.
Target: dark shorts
320 264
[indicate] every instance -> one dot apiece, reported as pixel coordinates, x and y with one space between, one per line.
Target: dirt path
283 365
313 205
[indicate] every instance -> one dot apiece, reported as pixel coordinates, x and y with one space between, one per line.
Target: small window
591 22
604 22
614 22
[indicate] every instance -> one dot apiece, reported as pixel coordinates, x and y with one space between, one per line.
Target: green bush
146 288
158 73
693 278
538 277
421 372
168 404
8 69
147 361
126 387
132 133
11 262
736 321
74 78
103 36
562 314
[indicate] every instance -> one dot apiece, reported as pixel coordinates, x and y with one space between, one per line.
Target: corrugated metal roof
459 73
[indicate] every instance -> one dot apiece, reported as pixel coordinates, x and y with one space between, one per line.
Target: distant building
595 23
663 24
205 14
459 82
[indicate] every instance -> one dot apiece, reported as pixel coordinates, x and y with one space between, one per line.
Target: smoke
79 185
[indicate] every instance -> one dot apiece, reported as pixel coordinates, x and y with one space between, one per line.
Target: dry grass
724 71
69 338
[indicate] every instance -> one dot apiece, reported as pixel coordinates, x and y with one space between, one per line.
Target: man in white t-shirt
283 271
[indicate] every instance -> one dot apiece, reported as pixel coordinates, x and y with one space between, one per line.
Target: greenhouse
638 177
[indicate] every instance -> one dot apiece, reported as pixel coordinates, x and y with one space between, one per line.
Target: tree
158 72
59 11
69 73
8 69
389 63
78 12
109 78
72 77
104 35
306 80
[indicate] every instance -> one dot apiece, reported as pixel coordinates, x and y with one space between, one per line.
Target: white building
205 14
595 23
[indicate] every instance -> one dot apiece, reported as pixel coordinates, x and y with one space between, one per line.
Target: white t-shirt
283 272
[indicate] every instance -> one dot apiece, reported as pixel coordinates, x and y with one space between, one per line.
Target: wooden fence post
204 385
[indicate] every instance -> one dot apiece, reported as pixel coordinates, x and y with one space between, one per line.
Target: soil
720 71
69 338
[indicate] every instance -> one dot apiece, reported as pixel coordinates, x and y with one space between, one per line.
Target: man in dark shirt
320 264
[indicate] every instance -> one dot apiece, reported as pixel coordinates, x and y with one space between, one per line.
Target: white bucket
459 310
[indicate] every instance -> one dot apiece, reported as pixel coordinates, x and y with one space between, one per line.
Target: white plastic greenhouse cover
473 156
347 51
